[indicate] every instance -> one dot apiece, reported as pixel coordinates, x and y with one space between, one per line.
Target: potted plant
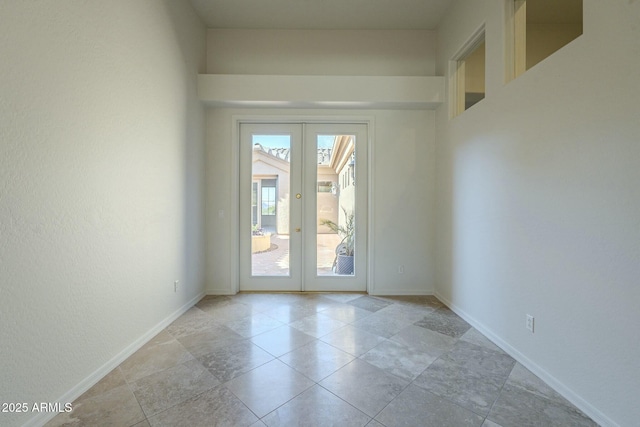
343 263
260 241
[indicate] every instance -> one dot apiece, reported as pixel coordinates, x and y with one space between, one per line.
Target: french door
303 207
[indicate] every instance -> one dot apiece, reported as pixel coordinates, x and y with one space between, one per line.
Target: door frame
234 212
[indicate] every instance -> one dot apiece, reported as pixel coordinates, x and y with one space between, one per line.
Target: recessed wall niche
467 74
538 28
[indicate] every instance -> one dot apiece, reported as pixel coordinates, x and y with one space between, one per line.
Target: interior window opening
468 74
540 28
474 77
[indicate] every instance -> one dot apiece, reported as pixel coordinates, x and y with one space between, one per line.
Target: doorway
303 207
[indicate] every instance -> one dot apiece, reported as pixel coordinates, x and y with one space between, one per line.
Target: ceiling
322 14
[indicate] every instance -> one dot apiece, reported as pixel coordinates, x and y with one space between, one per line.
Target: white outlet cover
530 322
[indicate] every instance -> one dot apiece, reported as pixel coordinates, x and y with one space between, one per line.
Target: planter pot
344 265
260 243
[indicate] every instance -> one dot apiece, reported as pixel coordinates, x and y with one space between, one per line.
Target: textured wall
101 182
321 52
538 205
403 142
403 170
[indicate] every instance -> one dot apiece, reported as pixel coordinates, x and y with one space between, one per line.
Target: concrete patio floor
276 262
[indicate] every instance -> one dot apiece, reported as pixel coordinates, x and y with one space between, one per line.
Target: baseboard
219 291
595 414
393 292
380 293
84 385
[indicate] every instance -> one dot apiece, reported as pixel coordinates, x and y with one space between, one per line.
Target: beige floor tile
346 313
112 380
518 407
256 324
269 386
398 359
212 339
352 340
364 386
417 407
384 325
317 360
320 359
115 407
191 322
282 340
154 357
160 391
215 407
235 359
317 325
474 337
316 407
424 340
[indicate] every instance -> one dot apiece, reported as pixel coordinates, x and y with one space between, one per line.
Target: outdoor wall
327 203
101 187
321 52
538 205
266 167
402 189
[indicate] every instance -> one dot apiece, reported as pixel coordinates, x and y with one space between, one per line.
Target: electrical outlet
175 285
401 269
530 322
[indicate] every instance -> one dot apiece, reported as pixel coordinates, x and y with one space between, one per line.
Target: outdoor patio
275 262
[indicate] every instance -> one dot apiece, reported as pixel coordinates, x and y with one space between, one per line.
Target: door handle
298 196
298 229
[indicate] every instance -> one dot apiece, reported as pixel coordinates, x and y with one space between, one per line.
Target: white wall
403 191
321 52
101 182
403 186
538 205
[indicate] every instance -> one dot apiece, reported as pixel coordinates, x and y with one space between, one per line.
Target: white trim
456 71
410 292
519 37
509 43
291 280
321 91
234 207
221 291
370 217
237 119
593 412
43 417
303 183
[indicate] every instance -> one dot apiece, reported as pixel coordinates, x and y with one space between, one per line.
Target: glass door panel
270 226
270 168
335 201
303 207
335 215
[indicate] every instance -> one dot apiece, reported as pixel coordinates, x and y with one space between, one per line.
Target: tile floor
321 360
